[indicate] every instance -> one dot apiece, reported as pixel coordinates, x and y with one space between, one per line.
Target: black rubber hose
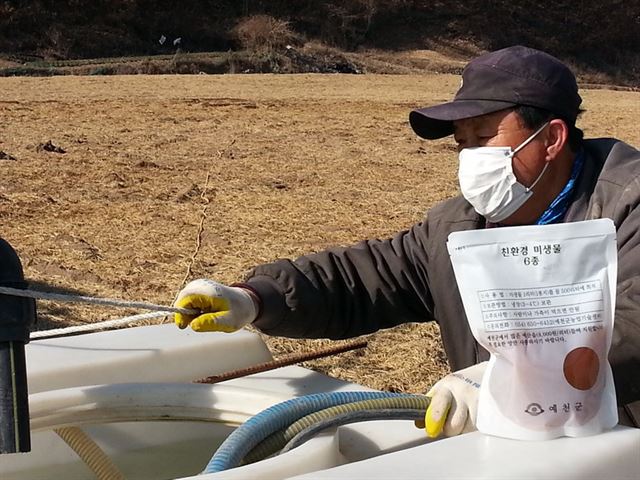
14 399
16 317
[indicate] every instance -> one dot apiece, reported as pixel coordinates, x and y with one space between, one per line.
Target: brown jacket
345 292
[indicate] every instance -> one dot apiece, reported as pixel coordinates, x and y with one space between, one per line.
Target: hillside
600 38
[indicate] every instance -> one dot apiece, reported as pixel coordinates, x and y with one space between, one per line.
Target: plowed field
267 166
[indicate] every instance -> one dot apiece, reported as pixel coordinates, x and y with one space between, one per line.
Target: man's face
504 129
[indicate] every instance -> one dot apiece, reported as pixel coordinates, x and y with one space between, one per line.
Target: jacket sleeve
346 292
625 349
617 196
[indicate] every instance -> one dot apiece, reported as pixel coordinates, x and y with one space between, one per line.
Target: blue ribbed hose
352 417
277 440
257 428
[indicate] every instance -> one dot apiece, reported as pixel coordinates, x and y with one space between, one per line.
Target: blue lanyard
558 208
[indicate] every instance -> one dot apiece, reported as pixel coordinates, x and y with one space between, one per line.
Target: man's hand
224 309
454 402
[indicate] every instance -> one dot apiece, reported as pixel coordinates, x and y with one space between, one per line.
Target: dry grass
263 33
297 163
7 63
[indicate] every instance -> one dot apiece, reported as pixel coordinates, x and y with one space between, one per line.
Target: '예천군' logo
534 409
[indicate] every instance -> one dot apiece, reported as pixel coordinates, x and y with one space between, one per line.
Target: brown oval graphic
581 367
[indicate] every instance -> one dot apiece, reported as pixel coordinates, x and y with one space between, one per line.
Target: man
525 102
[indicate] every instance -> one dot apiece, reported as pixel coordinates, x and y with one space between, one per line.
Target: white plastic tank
63 374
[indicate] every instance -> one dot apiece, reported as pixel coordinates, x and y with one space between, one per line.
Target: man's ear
557 138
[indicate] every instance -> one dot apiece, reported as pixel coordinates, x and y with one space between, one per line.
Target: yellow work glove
454 402
224 309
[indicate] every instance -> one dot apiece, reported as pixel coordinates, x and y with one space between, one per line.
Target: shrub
263 33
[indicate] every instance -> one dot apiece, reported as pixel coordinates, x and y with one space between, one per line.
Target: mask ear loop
524 144
528 140
528 189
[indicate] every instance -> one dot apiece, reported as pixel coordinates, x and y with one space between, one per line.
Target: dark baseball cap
503 79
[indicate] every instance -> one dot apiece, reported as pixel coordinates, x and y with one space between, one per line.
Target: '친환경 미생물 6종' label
541 300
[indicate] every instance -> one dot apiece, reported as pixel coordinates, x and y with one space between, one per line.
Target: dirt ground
295 163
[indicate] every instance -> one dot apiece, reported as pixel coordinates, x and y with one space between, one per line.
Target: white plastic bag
541 300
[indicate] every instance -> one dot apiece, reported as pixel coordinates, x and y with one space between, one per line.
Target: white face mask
488 183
